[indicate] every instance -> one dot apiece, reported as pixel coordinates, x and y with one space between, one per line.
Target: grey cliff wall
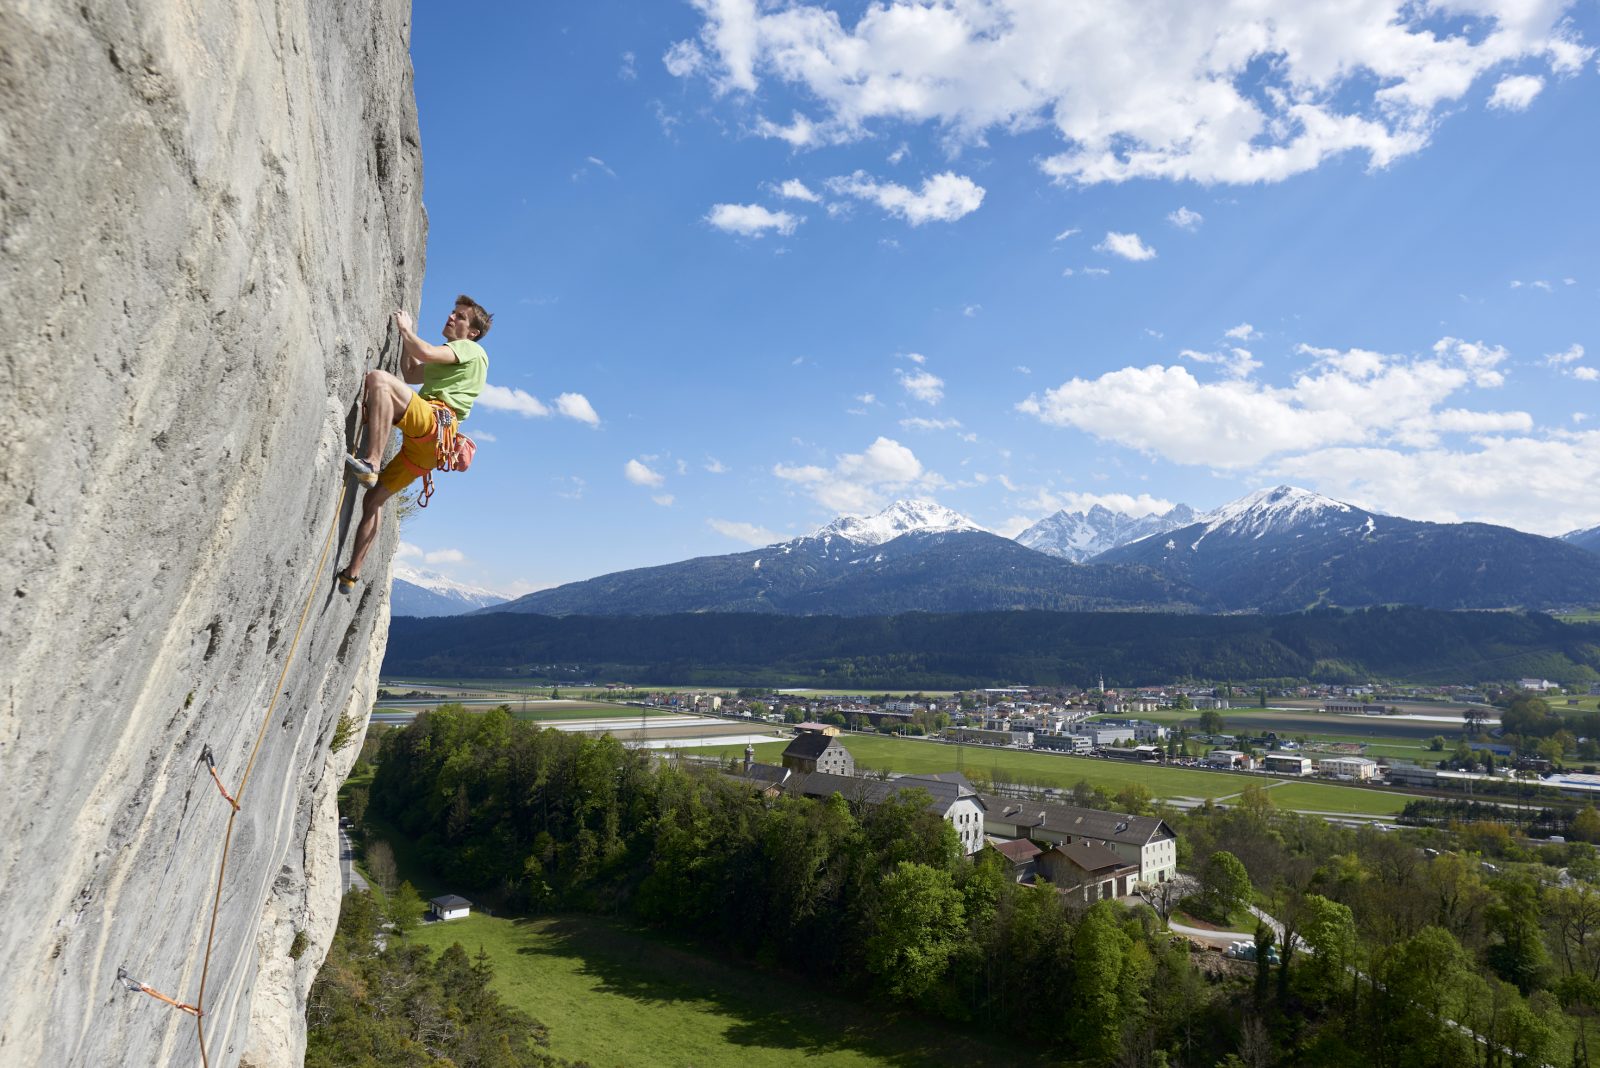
207 211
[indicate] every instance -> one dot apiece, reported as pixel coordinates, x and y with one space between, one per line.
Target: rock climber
450 376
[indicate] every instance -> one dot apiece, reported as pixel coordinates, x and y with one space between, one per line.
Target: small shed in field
450 907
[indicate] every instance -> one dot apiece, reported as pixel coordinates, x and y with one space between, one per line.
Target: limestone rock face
207 212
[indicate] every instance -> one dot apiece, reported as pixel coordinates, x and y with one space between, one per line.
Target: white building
1105 734
1358 769
1536 685
1143 840
952 797
450 907
1229 758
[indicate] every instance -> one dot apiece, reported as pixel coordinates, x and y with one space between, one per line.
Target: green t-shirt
457 384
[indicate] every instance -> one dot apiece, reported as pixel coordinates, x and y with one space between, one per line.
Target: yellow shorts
418 450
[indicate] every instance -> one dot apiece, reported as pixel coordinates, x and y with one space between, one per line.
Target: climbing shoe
345 581
363 471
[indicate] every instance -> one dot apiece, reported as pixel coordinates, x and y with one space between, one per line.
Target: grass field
1324 797
622 997
1063 772
1017 765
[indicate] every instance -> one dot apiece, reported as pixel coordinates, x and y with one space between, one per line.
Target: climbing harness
452 450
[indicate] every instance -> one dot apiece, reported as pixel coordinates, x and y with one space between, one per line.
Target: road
349 878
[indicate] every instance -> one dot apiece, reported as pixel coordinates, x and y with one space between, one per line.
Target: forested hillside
943 651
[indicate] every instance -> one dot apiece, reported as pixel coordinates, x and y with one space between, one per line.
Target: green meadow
618 996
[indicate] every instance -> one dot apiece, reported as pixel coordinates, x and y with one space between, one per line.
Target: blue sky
754 265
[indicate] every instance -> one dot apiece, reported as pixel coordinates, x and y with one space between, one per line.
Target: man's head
468 321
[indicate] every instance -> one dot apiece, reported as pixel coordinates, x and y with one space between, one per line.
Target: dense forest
935 651
1438 947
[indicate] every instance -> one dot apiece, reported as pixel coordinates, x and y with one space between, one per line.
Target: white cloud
1210 90
1128 246
915 357
859 482
971 310
943 198
919 423
577 406
800 132
444 556
641 475
751 220
1242 332
407 551
1537 484
1344 398
1586 374
1236 362
715 466
925 386
749 533
501 399
1478 358
483 435
795 189
1096 271
1515 92
1063 235
1573 354
628 72
663 499
1184 219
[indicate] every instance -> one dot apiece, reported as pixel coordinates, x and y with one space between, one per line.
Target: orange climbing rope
237 799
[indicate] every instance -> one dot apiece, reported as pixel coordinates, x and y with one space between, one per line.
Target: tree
380 865
916 925
1586 824
1436 743
1519 955
1183 703
1099 955
1329 928
1224 884
1211 721
1472 721
405 908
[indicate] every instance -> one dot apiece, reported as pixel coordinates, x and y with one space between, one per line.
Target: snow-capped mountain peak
1273 510
431 581
1077 536
901 517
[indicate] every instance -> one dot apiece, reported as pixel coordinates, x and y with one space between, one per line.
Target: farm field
1016 765
1064 772
621 997
1326 797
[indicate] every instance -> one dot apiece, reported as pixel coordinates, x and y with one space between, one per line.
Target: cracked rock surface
207 212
